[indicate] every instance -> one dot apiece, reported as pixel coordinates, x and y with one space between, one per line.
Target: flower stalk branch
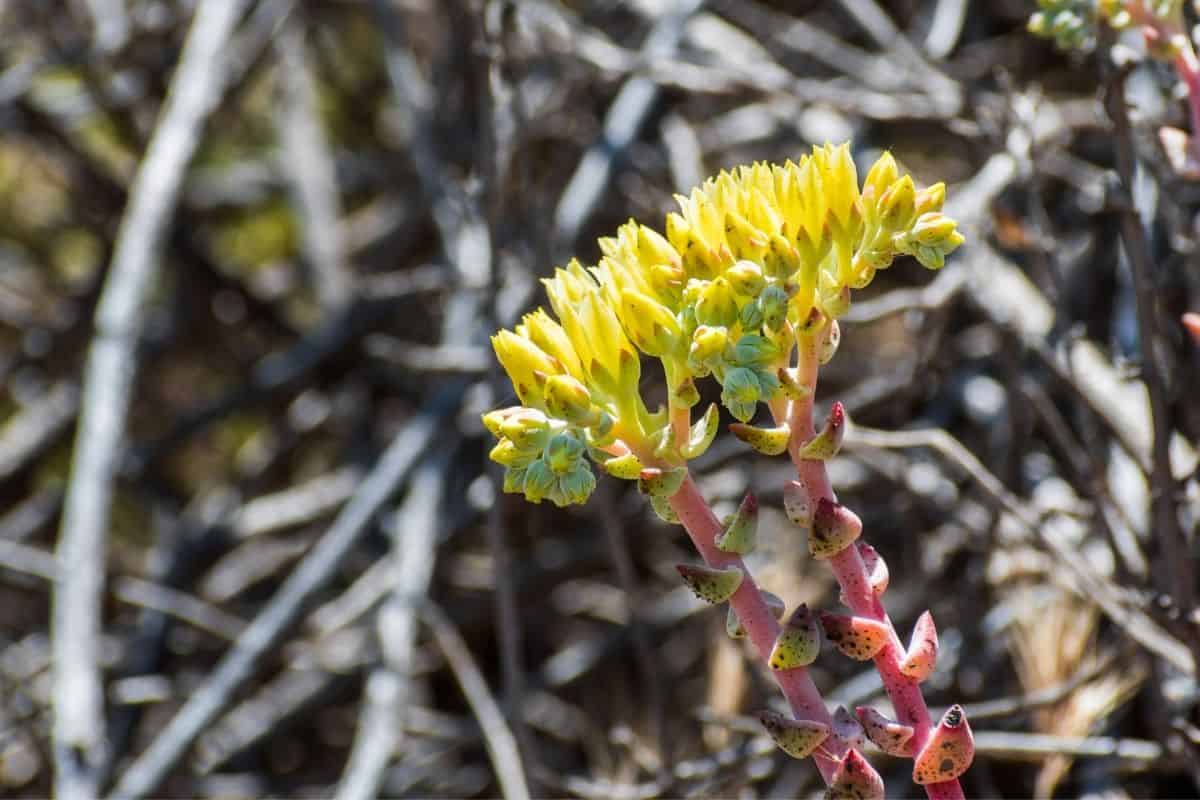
854 578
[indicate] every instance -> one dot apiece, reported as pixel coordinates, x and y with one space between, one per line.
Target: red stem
747 602
851 574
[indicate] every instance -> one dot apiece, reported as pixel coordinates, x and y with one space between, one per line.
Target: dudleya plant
745 285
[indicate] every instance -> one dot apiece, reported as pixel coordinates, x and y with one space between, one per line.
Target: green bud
508 454
563 453
753 349
539 481
514 480
774 303
751 316
577 486
740 392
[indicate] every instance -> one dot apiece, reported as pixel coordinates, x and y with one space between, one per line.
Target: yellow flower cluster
753 258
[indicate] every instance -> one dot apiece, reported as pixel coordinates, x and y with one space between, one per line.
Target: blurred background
250 253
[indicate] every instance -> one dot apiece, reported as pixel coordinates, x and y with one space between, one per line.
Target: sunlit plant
745 285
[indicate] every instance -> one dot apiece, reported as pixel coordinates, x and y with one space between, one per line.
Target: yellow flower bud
527 429
931 198
883 173
839 183
526 364
708 343
717 304
897 205
745 241
653 248
567 398
651 325
508 454
933 228
746 278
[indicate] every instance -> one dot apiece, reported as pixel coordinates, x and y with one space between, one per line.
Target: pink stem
852 576
747 602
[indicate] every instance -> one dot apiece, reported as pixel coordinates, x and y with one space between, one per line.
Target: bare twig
414 550
1135 622
1176 564
108 386
498 738
621 126
152 766
308 165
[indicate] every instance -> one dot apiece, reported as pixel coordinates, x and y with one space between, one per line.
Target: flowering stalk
860 593
758 261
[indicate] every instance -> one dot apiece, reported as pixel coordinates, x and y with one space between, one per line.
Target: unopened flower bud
708 344
746 278
774 303
539 481
567 398
751 316
717 304
514 480
740 392
753 349
508 454
931 198
933 228
883 173
650 324
576 486
563 453
897 205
